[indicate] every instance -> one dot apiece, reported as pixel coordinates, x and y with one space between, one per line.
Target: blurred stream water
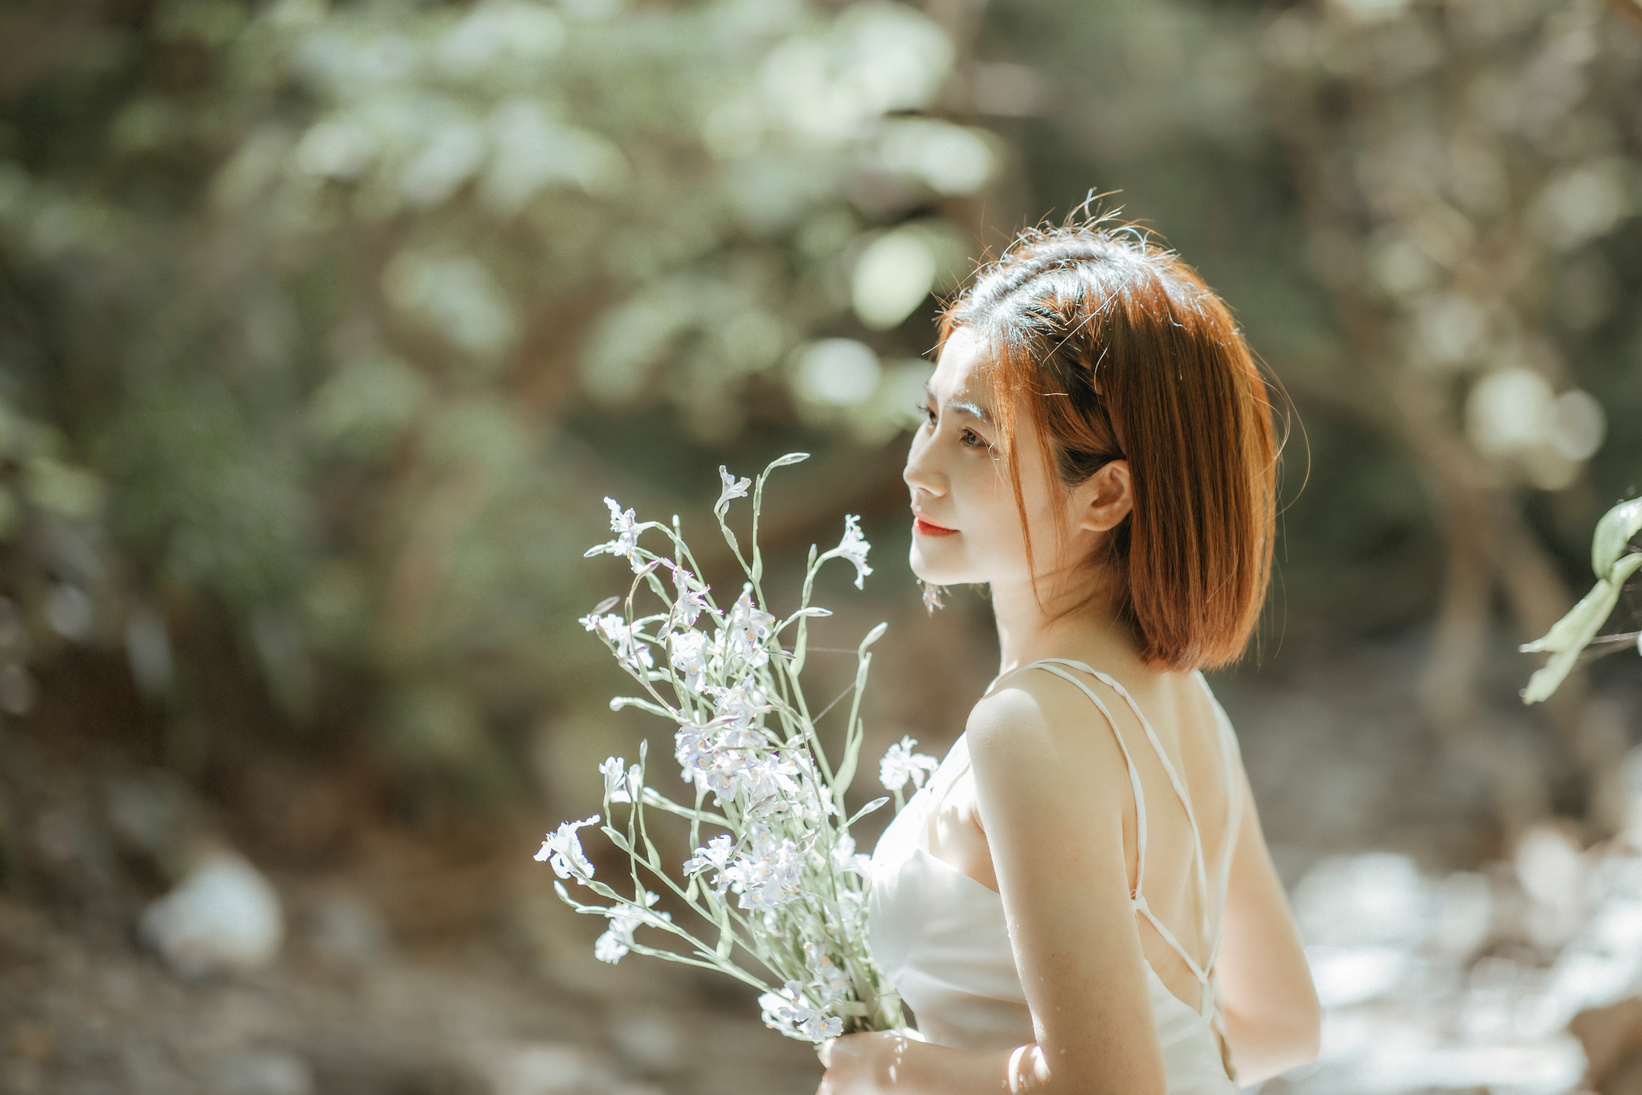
1469 980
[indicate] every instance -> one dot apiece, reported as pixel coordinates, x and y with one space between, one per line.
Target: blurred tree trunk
1344 127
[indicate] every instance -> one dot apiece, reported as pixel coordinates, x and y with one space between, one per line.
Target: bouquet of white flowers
796 926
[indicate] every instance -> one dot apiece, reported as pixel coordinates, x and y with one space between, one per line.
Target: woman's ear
1106 497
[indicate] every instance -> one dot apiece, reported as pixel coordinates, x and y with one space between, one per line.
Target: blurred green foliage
1423 212
327 326
299 299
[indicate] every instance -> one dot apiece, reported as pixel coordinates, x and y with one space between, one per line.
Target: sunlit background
325 329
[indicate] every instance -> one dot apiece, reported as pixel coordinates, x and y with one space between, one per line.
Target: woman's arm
1272 1016
1051 799
886 1063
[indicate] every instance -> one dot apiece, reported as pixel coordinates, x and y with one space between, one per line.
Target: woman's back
937 918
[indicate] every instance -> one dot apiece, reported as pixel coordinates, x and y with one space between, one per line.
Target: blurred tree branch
1630 9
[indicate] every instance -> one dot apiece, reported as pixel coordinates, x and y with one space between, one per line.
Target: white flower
564 848
932 597
768 873
732 488
623 524
623 639
693 746
854 547
716 856
689 656
615 772
620 785
732 756
692 596
626 543
740 704
618 938
746 630
787 1011
736 763
830 983
846 858
900 763
721 763
610 946
811 800
768 783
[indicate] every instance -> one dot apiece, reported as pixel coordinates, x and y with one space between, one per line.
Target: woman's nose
920 473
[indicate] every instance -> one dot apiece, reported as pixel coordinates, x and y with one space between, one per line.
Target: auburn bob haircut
1118 350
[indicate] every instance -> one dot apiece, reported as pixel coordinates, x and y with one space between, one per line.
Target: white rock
267 1072
1351 975
1375 898
651 1040
344 928
224 916
541 1068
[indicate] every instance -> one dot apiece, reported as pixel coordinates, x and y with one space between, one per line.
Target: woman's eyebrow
972 409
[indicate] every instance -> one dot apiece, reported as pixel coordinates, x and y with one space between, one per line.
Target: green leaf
726 934
872 636
852 753
1574 632
1613 533
1564 634
783 461
619 702
867 809
1549 677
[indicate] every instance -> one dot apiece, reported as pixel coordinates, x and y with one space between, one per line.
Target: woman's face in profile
967 528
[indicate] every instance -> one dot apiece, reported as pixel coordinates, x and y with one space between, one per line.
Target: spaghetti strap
1198 857
1134 773
1204 973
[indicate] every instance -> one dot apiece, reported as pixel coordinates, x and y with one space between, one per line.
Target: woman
1080 899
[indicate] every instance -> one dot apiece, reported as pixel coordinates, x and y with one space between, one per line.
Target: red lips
925 528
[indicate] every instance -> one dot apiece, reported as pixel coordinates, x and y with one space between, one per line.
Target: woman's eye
966 437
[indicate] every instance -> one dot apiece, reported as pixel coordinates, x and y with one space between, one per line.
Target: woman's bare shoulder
1023 705
1040 724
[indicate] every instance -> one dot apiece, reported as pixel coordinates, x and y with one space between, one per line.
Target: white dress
940 937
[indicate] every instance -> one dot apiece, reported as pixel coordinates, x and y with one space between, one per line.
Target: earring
932 597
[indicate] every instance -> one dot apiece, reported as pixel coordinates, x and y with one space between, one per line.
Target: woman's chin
925 571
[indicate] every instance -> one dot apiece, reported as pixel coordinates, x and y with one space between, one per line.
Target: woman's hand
862 1064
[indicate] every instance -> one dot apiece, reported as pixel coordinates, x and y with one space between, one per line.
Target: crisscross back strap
1134 773
1199 859
1234 818
1203 973
1230 754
